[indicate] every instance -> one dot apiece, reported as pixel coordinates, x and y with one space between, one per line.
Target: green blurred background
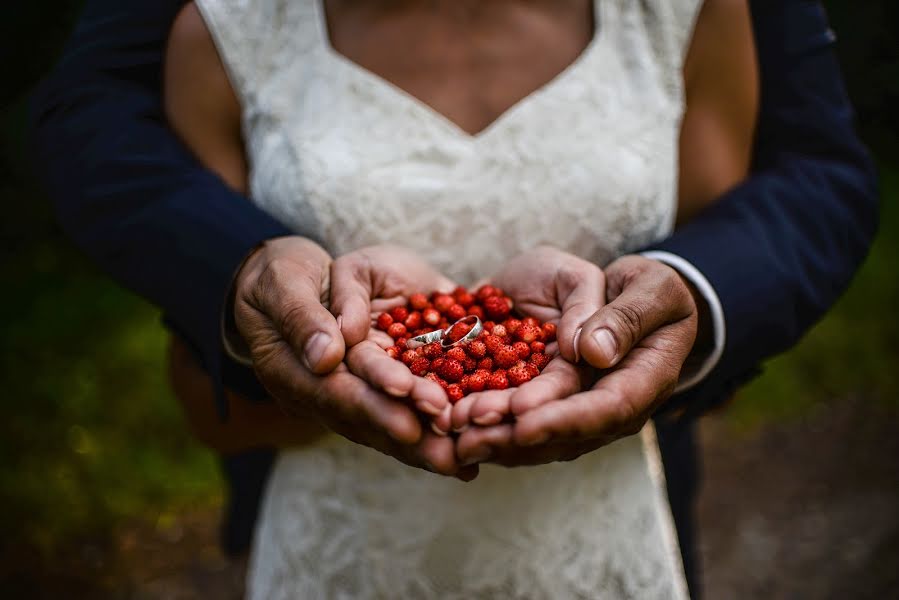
90 436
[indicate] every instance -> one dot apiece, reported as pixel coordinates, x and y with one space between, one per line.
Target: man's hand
297 348
640 339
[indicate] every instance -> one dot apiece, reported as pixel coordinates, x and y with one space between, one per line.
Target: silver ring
441 334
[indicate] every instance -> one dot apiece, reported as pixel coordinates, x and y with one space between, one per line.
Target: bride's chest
582 165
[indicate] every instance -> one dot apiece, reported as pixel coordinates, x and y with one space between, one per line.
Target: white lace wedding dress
588 163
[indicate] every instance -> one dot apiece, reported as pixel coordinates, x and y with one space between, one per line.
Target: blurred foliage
90 433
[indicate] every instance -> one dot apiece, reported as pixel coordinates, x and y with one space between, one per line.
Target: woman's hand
298 347
640 339
367 282
552 286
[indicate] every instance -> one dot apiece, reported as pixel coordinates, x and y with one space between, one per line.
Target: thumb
284 303
351 291
650 297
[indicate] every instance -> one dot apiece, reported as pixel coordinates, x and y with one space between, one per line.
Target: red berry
399 313
420 366
476 311
437 363
394 352
451 370
537 347
531 321
500 331
476 382
488 326
454 392
505 357
518 376
492 343
497 308
484 292
457 353
432 350
413 321
512 325
384 321
485 364
469 364
456 312
549 332
528 333
498 381
431 316
397 330
539 360
442 302
436 379
532 369
476 349
401 343
418 301
466 299
409 357
522 349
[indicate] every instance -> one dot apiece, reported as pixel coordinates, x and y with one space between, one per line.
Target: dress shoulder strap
663 27
258 38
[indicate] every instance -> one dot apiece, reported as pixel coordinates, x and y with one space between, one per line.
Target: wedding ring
441 335
472 335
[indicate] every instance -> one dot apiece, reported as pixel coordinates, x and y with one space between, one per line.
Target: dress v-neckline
435 115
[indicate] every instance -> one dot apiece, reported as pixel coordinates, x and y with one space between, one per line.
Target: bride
469 133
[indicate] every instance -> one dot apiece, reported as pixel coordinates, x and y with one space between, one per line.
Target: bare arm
722 95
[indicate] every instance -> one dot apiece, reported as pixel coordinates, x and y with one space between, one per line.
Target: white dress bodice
588 163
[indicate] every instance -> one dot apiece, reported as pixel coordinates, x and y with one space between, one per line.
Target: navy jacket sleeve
125 188
782 247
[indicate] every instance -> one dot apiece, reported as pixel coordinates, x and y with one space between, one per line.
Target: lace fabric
587 163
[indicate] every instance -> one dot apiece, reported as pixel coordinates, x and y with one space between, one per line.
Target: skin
471 62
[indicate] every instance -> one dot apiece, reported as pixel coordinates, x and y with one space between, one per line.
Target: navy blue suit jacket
779 249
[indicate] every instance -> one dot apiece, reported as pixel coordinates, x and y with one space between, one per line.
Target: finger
479 444
652 295
560 379
462 409
290 298
369 362
347 399
617 405
437 454
351 292
580 292
491 407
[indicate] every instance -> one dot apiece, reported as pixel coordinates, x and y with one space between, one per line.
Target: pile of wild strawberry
508 353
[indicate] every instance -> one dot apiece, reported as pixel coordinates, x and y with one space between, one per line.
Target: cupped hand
553 286
366 282
297 348
640 340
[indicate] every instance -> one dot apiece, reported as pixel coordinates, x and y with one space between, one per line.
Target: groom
767 260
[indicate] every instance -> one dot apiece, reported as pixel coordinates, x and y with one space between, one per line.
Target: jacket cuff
696 370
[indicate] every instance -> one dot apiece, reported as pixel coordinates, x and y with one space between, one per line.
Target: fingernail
462 429
432 409
577 339
607 344
429 467
340 322
478 457
315 349
437 430
491 418
396 392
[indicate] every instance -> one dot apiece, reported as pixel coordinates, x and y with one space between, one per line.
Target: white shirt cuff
692 376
